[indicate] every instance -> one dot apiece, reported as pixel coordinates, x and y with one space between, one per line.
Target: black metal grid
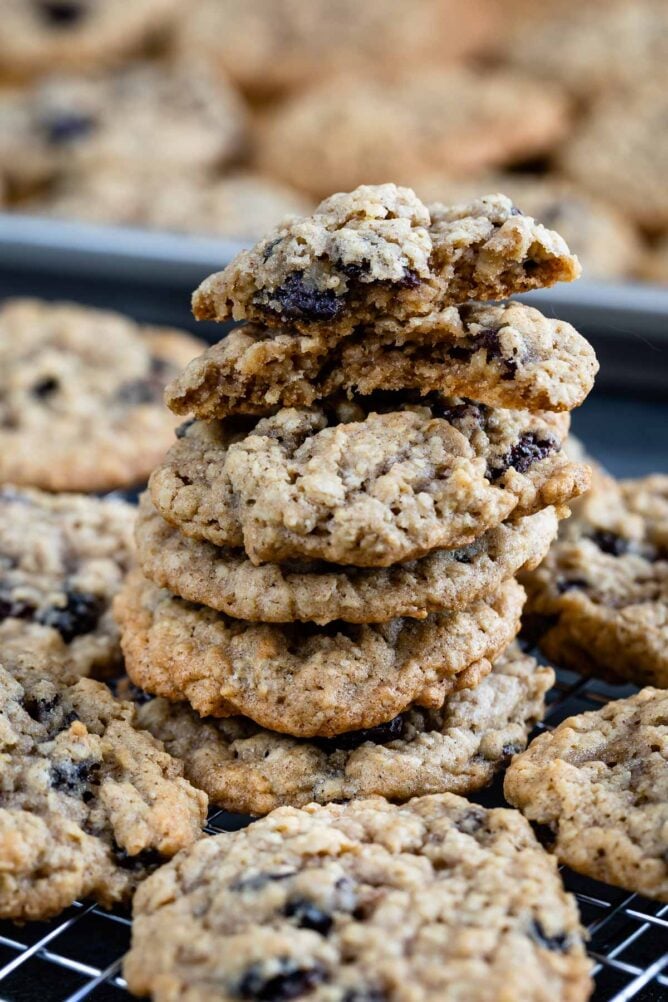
79 954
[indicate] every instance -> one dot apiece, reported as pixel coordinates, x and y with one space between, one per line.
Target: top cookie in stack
379 445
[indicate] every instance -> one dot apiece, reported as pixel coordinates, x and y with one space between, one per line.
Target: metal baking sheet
156 258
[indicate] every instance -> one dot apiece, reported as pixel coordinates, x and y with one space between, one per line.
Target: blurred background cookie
240 205
182 115
81 396
43 35
355 130
219 117
620 152
594 48
269 48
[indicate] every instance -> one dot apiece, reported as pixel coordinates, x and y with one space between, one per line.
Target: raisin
74 777
380 735
511 369
558 944
354 271
61 13
183 428
79 615
68 126
137 695
488 338
471 821
610 542
410 279
43 388
458 412
138 391
569 584
40 709
289 983
461 352
15 608
160 368
299 301
308 916
510 750
146 859
146 389
529 449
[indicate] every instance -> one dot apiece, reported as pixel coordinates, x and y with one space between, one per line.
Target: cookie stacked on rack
329 549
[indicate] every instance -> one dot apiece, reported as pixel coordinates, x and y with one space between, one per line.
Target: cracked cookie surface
301 678
457 748
505 356
369 482
435 899
90 804
62 560
311 591
599 601
80 395
378 251
599 785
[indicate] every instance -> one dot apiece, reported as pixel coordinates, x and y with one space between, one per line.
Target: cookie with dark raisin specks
598 787
269 49
354 128
504 356
90 804
457 748
303 679
81 395
436 899
379 252
62 560
41 36
312 591
185 114
369 482
599 601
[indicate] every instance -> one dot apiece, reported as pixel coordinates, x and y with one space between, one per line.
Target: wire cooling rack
79 954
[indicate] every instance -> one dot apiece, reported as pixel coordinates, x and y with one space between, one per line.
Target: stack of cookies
327 600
